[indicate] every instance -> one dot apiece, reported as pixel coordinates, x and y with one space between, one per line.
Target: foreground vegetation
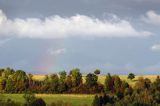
72 99
119 93
114 91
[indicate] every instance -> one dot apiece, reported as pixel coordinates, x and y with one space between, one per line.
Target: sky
48 36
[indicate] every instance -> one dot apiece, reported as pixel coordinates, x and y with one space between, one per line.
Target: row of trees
12 81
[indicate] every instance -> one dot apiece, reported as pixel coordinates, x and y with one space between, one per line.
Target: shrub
96 101
38 102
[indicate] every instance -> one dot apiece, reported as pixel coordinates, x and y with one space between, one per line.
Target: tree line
18 81
114 91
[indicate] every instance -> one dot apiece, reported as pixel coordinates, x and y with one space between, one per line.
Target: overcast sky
47 36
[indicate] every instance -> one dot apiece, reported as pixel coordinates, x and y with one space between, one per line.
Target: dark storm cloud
43 8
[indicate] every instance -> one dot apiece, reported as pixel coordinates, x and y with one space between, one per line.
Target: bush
38 102
9 102
97 72
29 98
96 101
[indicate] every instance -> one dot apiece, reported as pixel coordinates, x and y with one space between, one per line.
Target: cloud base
64 27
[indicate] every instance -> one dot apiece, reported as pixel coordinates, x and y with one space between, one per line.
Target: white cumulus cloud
57 51
156 47
151 17
63 27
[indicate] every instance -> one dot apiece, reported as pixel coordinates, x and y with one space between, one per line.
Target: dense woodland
115 92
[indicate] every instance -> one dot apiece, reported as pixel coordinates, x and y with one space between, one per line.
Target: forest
114 91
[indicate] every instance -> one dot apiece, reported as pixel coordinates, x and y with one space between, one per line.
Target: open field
75 100
101 78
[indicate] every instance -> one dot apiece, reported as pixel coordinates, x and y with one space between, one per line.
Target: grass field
75 100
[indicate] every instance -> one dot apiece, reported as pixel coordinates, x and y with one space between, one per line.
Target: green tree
29 80
131 76
54 83
157 97
9 86
2 83
128 91
157 83
47 82
96 101
119 94
62 81
7 72
1 71
147 83
69 81
144 98
62 75
124 84
108 83
76 77
21 80
97 71
91 80
105 99
142 84
117 82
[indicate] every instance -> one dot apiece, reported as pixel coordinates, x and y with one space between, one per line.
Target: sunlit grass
38 77
74 99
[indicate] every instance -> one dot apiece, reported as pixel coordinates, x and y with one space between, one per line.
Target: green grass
75 100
